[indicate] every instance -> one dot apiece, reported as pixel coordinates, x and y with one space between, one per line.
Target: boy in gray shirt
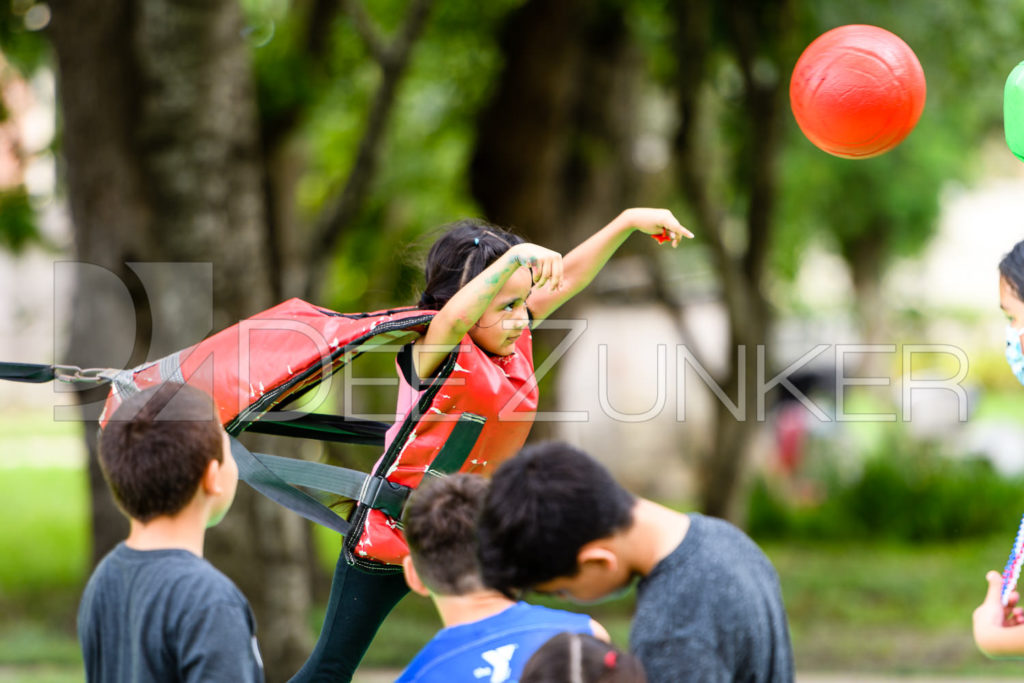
709 606
154 609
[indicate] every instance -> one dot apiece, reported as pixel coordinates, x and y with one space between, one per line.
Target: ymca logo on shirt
500 669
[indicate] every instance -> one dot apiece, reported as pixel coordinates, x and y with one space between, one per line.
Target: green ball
1013 111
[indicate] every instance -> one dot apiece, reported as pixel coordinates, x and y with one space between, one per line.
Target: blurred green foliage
315 79
422 182
17 219
22 53
966 50
904 491
23 49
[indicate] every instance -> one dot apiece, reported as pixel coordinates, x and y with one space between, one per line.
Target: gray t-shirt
712 611
165 615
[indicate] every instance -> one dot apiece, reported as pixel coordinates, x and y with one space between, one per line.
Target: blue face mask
1014 355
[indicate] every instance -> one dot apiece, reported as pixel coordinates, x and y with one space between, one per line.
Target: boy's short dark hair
543 506
156 447
440 527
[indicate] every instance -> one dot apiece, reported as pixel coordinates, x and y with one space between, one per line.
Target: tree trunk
96 91
552 158
866 258
162 165
755 36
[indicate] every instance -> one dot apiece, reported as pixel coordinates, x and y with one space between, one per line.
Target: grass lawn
889 608
43 538
865 608
853 607
44 546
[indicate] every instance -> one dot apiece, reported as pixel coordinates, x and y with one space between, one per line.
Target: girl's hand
546 265
656 222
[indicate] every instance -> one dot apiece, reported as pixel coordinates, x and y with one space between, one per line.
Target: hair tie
611 658
476 241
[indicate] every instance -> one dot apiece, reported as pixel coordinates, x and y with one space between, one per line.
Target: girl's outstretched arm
465 308
584 262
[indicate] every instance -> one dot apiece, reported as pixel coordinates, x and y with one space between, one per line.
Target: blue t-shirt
491 650
165 615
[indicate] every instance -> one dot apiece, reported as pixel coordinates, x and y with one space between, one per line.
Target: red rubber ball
857 91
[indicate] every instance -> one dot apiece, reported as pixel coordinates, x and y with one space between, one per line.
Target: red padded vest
491 397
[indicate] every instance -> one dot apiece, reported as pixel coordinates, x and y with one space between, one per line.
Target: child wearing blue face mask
999 627
1011 291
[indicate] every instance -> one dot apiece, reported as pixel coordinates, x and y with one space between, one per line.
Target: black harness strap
321 427
27 372
35 373
458 445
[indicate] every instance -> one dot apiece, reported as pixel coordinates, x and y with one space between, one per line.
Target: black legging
358 605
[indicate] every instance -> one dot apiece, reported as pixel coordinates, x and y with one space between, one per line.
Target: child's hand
656 222
991 618
1013 615
992 611
546 265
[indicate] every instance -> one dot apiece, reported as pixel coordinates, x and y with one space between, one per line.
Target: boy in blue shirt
154 609
487 636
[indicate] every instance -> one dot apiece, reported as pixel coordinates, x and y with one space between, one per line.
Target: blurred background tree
308 147
24 54
827 199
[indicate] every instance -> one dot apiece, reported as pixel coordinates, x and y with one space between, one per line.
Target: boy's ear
210 483
598 555
412 578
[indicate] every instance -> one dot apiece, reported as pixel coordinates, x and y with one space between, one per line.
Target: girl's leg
358 605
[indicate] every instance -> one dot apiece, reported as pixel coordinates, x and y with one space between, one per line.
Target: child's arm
464 309
999 630
584 262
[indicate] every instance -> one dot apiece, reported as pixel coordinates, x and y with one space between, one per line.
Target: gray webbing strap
277 477
257 475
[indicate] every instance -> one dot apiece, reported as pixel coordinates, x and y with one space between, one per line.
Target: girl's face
506 317
1011 305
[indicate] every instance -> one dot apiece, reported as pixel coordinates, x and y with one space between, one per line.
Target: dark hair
581 658
465 249
440 528
543 506
156 447
1011 269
